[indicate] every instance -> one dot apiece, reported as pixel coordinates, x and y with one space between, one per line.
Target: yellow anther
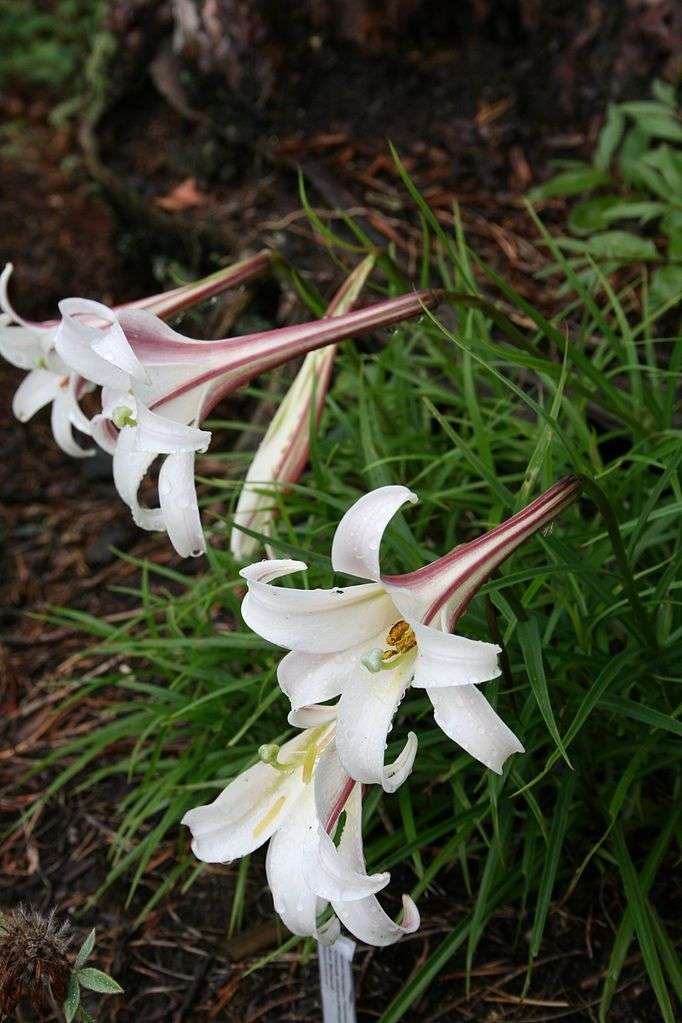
309 763
269 817
401 637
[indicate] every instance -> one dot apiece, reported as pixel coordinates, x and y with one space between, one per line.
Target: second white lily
301 800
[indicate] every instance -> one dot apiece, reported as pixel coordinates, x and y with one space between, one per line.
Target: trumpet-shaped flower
283 452
51 380
301 800
368 643
159 386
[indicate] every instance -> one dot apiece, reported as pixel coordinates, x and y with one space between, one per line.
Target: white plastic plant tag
336 981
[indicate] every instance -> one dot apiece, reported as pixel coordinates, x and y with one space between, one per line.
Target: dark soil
477 114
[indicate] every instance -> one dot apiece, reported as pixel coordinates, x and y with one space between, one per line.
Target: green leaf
666 286
73 997
551 862
85 950
645 108
571 182
625 930
637 711
671 223
95 980
621 245
589 215
529 638
645 933
609 137
641 210
664 92
662 126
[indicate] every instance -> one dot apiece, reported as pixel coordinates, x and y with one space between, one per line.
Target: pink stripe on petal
455 578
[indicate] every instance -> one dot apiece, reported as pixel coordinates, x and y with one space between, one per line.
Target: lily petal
290 850
100 353
465 715
313 621
331 875
36 390
313 678
248 812
156 433
447 660
179 506
355 550
62 424
365 918
365 714
103 431
20 345
311 716
130 467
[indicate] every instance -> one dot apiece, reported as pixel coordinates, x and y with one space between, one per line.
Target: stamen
309 763
401 636
390 659
269 817
400 639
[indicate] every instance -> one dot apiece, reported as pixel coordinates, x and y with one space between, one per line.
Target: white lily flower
300 799
159 386
51 380
283 452
368 643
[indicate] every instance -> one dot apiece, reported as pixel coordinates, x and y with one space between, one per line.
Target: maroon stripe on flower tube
458 571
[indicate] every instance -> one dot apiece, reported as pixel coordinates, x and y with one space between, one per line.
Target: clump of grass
476 410
44 44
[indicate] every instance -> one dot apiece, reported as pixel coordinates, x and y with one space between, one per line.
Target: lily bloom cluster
158 387
363 646
354 651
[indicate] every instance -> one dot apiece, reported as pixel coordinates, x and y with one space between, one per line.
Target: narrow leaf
529 638
95 980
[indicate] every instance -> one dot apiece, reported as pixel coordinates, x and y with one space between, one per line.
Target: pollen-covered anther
401 638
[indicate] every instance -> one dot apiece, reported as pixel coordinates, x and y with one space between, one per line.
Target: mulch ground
184 194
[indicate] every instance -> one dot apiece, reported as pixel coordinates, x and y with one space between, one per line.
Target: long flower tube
368 643
283 452
50 380
159 386
301 800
